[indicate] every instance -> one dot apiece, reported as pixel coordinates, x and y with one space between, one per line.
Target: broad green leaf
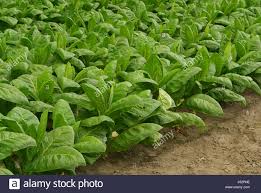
38 106
62 136
62 114
45 86
96 96
65 74
222 94
125 103
77 63
121 90
178 119
189 33
180 79
27 84
223 21
9 20
12 94
41 54
133 136
210 44
138 113
190 119
42 126
58 158
38 69
162 51
11 142
138 77
84 52
94 121
219 63
228 52
76 99
237 79
4 171
179 58
64 55
61 40
167 77
66 83
244 82
205 104
12 125
91 158
219 80
241 47
165 99
154 68
111 69
203 61
247 68
255 87
28 121
90 144
91 72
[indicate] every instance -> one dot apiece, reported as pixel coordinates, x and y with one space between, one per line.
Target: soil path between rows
232 145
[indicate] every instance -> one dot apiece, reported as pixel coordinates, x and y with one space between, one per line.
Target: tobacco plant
81 79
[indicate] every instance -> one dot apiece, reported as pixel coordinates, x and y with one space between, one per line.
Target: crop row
80 79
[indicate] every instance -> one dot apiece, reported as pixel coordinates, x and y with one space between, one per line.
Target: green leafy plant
81 79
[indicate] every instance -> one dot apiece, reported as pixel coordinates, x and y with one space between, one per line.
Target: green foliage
205 104
13 142
12 94
79 79
133 136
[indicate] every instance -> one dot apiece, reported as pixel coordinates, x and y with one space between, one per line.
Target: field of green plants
81 79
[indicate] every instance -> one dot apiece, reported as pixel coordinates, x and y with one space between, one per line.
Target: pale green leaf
205 104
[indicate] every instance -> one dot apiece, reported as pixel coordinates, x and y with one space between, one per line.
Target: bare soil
232 145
